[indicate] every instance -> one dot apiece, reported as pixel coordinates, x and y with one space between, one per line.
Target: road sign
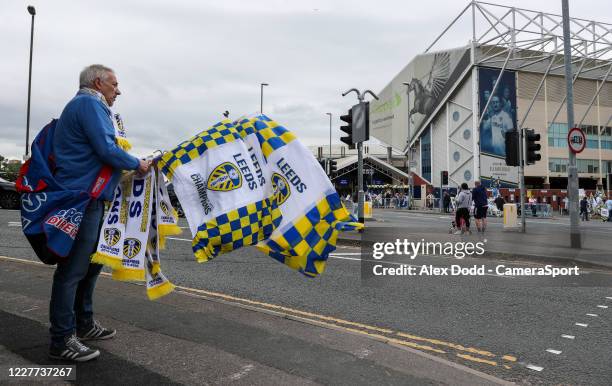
576 140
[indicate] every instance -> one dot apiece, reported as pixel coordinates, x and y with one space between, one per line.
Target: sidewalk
184 338
535 245
555 215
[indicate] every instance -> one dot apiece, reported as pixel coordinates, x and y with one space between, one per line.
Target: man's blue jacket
74 159
84 141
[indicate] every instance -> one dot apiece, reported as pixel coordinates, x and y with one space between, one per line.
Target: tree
9 169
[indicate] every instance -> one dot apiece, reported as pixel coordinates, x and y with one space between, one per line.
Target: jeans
74 280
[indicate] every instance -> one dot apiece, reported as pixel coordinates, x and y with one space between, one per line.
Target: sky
182 63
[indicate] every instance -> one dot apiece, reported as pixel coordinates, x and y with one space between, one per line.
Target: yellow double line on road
389 336
386 335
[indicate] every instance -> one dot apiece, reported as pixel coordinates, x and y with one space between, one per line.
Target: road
503 326
554 224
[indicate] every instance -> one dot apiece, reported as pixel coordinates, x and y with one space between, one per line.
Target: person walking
481 206
584 209
462 216
84 142
499 203
446 202
608 204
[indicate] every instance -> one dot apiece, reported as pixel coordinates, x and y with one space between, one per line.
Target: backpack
50 213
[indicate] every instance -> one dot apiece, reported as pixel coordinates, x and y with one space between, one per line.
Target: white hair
91 73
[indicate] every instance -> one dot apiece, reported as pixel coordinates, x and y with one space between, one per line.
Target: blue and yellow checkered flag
312 211
223 192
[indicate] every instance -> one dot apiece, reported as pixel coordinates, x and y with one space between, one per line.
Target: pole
572 171
32 12
330 134
261 97
360 181
360 194
522 178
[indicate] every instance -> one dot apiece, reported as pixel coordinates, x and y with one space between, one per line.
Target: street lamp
261 98
330 127
31 11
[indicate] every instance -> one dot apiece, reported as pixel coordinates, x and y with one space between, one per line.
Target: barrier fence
533 210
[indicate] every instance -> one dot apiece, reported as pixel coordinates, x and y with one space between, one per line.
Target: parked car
174 200
9 198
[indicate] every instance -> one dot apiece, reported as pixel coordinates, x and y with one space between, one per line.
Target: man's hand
143 168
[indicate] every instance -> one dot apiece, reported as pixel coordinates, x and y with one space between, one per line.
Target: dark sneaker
73 350
96 332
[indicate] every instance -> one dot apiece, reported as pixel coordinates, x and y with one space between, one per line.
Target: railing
537 210
390 203
533 210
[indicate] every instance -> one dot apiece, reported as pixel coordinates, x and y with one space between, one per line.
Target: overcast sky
181 63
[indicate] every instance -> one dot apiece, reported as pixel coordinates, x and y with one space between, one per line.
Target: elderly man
84 142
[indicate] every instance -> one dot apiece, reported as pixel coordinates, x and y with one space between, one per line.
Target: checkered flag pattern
271 135
314 214
243 226
218 134
307 242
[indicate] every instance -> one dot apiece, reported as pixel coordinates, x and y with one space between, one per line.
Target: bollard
510 216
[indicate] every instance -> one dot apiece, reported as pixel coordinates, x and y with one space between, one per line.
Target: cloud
180 64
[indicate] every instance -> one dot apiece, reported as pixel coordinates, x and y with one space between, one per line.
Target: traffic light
361 122
348 128
322 163
444 177
512 148
532 147
332 165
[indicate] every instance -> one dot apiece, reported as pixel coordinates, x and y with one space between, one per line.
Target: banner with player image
499 117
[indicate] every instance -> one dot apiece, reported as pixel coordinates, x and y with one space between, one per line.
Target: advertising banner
430 76
499 117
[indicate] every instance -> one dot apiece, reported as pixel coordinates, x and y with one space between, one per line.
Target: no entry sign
576 140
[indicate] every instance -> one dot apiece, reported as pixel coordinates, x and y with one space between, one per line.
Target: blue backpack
50 213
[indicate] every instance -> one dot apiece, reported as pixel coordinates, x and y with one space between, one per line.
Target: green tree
9 170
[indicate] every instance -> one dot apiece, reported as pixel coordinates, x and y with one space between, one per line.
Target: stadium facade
450 108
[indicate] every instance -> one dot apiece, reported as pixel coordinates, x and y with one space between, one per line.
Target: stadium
448 109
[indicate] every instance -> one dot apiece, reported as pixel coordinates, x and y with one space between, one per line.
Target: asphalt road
388 217
511 328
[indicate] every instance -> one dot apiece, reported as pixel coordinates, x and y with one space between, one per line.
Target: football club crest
131 247
281 188
224 178
164 208
112 236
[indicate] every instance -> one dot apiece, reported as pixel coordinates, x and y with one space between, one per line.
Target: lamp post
572 170
31 11
330 129
261 97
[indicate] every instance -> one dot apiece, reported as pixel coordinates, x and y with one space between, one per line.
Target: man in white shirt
501 122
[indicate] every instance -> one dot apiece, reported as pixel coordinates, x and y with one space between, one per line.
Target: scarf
312 212
120 132
226 204
130 235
